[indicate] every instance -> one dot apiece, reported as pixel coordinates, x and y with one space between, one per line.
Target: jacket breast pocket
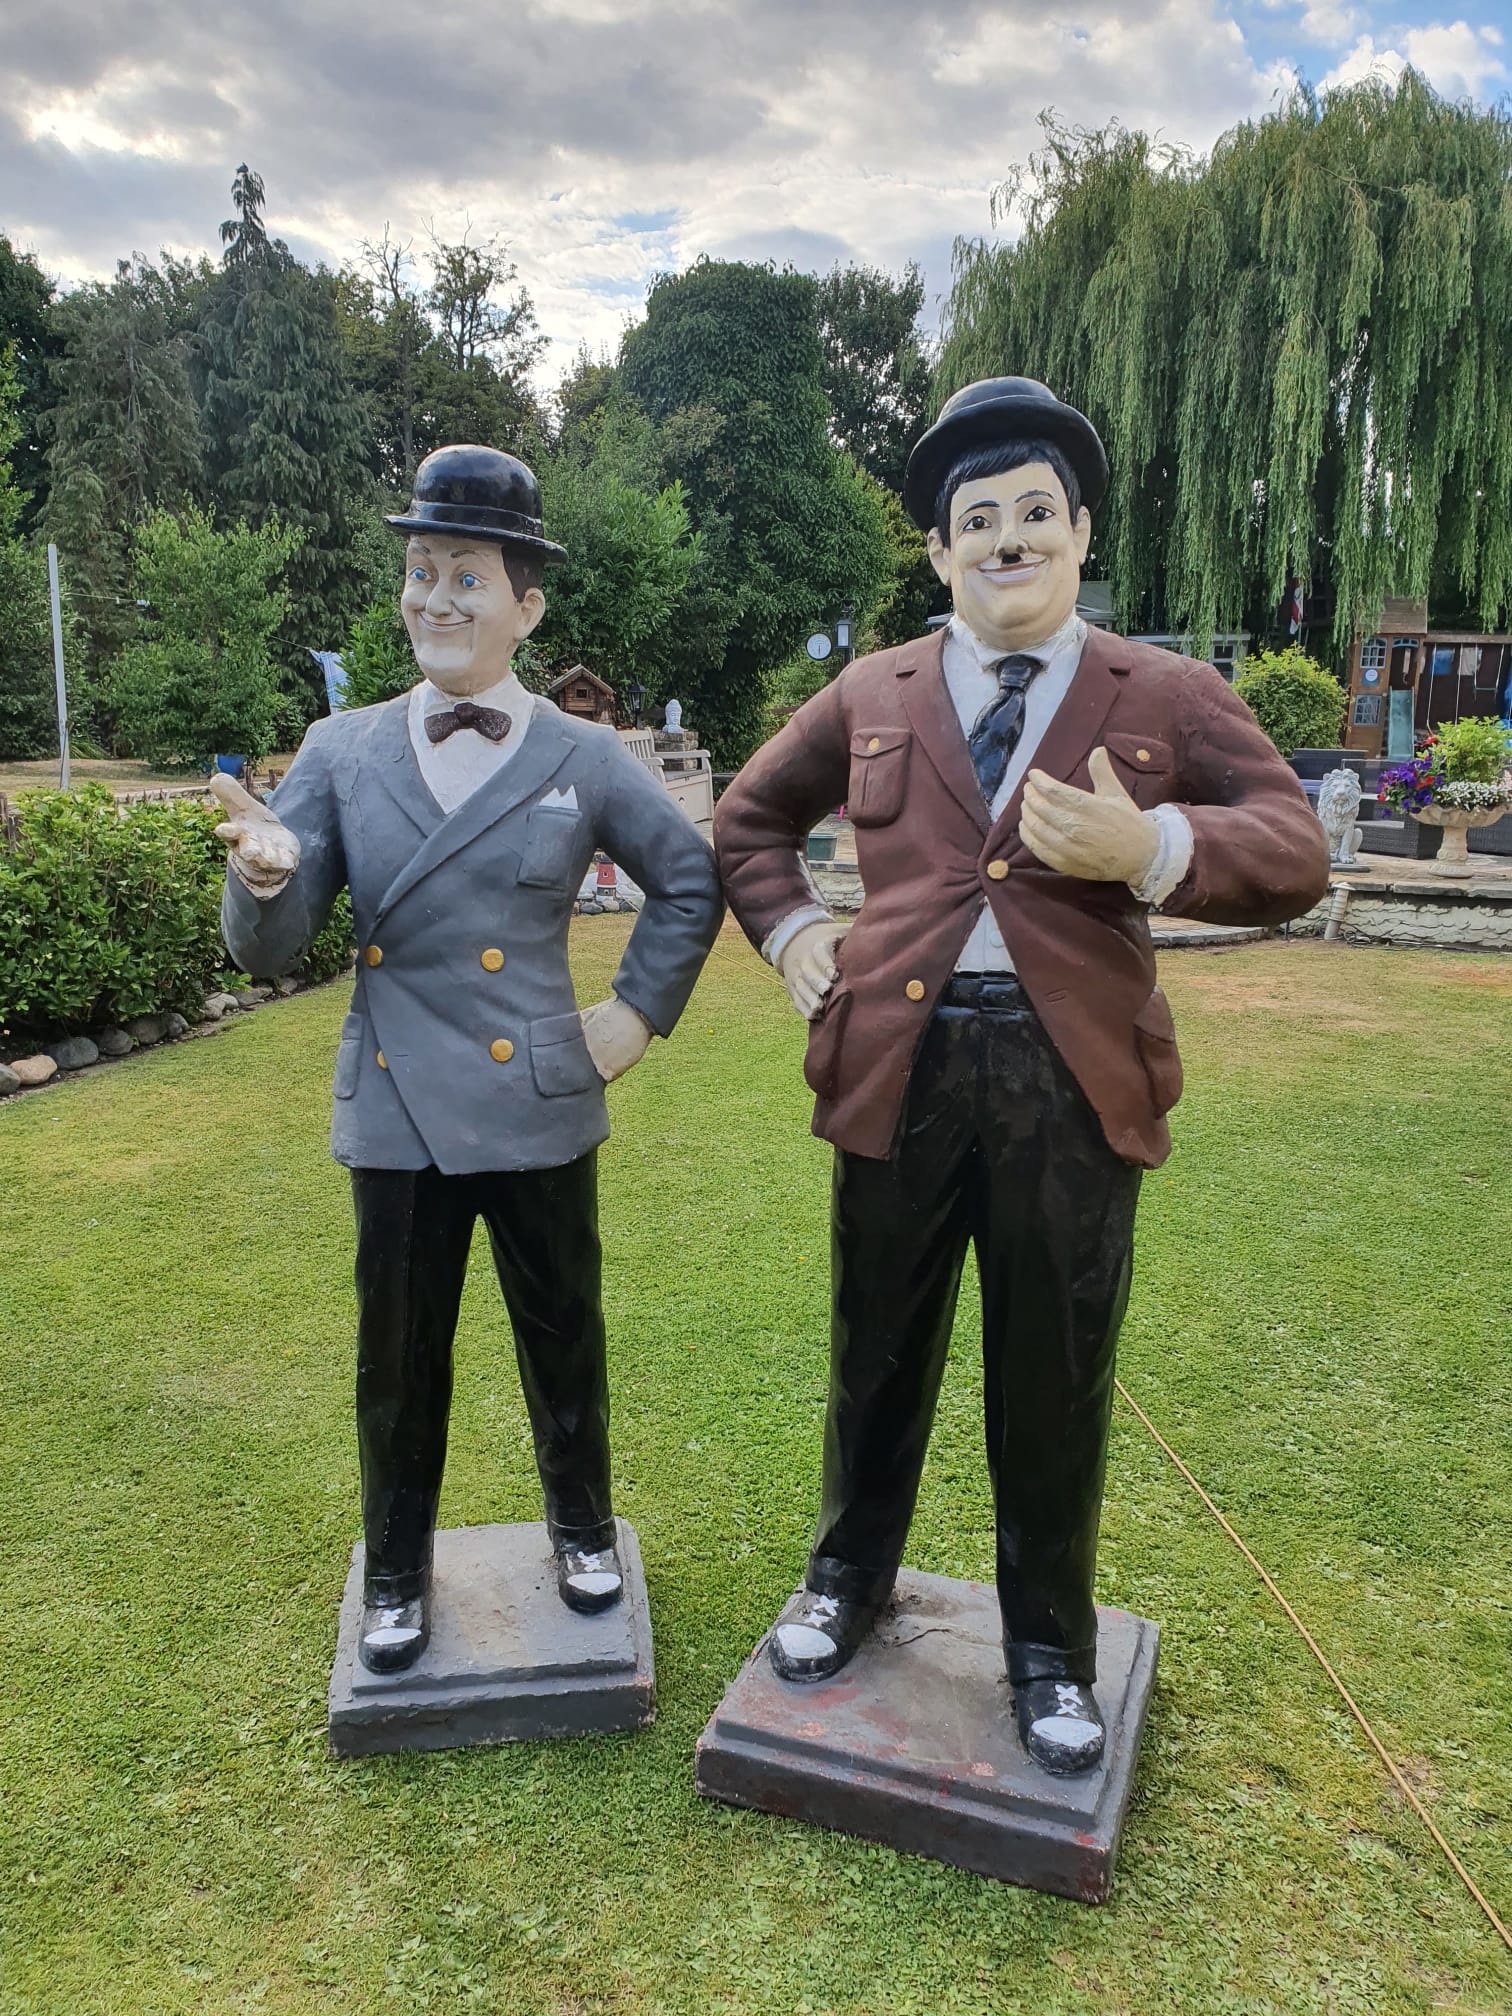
821 1062
349 1057
553 847
878 775
559 1059
1155 1040
1142 761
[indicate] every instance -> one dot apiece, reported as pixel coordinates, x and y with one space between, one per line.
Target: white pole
57 630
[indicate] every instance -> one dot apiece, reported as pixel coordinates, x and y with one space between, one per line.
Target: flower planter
1453 857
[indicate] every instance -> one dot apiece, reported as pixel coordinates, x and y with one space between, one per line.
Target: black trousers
414 1228
998 1147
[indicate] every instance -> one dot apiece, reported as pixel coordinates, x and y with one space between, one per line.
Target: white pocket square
564 801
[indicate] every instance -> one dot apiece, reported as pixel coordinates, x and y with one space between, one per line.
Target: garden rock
72 1053
260 990
9 1082
33 1070
247 997
217 1005
286 987
114 1043
177 1026
148 1028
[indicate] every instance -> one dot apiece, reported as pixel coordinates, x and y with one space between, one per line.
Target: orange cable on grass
1344 1694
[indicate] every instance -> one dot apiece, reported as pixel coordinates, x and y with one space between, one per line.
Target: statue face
1013 564
462 614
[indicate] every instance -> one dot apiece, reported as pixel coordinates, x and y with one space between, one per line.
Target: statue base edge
914 1745
507 1661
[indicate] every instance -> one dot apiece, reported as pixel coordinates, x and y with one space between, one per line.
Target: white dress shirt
454 769
972 685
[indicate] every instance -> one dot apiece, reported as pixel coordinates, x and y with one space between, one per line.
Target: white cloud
1458 60
1328 22
604 139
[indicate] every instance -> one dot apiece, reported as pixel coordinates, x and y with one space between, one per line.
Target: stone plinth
507 1660
914 1745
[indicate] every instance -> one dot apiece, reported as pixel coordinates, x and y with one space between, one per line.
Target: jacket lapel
1076 723
392 768
544 750
932 716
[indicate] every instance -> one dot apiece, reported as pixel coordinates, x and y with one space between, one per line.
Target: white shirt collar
1071 635
508 695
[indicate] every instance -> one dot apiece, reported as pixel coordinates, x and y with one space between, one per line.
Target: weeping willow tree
1298 351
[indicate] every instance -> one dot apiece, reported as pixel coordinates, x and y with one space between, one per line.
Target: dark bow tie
487 720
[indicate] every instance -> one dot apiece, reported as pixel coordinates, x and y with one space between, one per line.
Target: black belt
983 990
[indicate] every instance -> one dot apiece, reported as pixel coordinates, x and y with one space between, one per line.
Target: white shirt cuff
782 935
1173 856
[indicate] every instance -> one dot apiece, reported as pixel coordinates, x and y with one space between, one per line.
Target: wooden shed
583 693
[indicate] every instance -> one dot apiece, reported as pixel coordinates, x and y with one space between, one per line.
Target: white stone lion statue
1338 802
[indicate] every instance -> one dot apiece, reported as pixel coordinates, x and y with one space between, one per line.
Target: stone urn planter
1453 857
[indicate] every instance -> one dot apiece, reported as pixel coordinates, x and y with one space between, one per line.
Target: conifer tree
126 436
284 428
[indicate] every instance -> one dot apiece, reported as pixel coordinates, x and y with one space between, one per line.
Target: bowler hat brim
1011 417
522 542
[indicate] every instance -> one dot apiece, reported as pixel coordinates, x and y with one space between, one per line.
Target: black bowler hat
478 493
1001 409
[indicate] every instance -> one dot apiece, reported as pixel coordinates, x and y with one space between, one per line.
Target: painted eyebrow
981 504
1026 494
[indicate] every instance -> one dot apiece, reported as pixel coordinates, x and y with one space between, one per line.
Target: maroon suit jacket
884 739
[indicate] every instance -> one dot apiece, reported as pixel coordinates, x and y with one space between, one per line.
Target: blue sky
608 140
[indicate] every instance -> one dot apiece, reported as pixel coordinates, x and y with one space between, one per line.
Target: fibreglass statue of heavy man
462 817
992 1058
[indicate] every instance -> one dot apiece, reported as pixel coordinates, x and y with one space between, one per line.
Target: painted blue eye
470 581
417 573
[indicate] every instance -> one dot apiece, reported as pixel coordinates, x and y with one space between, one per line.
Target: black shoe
393 1635
589 1578
1060 1725
816 1635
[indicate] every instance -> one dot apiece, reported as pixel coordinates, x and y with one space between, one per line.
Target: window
1373 655
1367 710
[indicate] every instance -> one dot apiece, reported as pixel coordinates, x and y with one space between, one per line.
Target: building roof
575 676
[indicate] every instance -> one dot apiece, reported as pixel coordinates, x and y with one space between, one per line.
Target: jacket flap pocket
1155 1018
559 1059
878 775
1144 754
879 741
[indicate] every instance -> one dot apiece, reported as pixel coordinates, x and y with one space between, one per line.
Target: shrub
1298 703
1475 750
105 913
376 659
109 912
202 679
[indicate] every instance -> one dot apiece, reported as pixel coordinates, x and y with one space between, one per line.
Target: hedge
108 912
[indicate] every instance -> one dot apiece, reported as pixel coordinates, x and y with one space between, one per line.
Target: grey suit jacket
452 1054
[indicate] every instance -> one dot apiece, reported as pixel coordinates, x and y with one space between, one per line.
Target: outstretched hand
617 1035
264 853
1100 835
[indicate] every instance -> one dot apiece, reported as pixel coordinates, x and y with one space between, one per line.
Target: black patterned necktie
1001 722
466 714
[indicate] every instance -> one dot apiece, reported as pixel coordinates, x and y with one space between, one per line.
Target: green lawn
1320 1325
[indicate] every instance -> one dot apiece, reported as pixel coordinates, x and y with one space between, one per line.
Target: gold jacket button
874 745
1143 755
915 990
491 960
501 1050
997 871
382 1061
374 955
